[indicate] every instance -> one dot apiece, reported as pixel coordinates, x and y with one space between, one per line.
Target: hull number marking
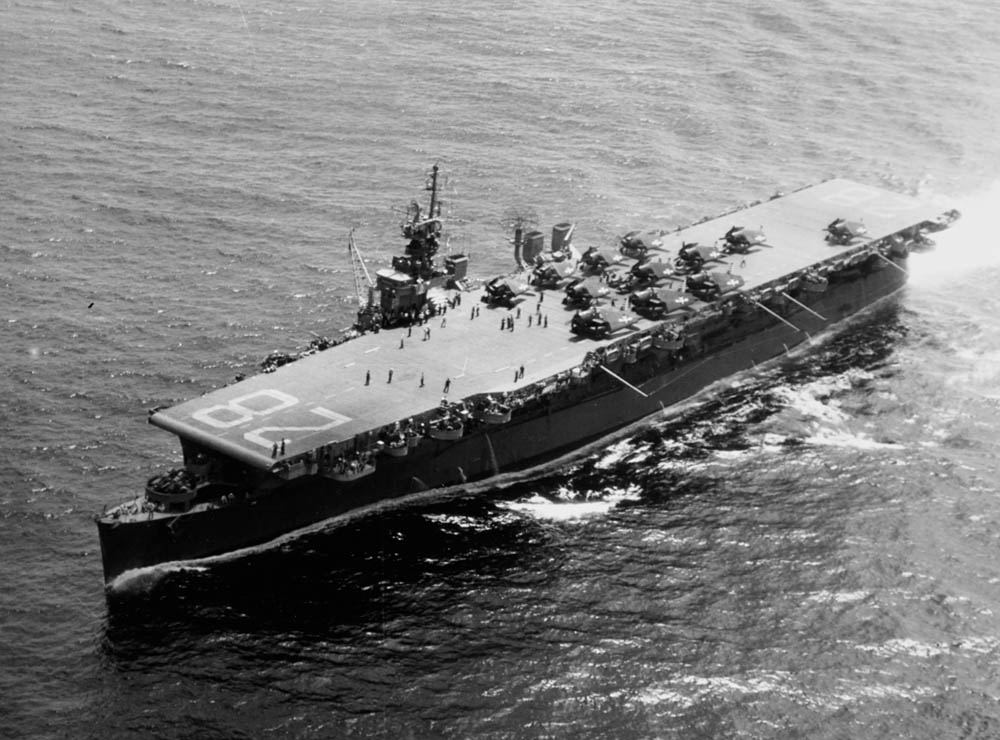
335 420
262 403
244 408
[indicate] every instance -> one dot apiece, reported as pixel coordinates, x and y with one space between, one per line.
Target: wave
567 506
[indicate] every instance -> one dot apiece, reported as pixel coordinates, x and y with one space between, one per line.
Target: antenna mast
434 180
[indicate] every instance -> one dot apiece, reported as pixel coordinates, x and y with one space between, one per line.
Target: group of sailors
135 506
418 316
397 433
451 415
278 358
353 464
491 405
536 318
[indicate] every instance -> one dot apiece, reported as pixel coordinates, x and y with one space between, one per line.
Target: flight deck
471 349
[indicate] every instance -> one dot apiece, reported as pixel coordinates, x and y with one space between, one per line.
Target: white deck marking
257 435
239 412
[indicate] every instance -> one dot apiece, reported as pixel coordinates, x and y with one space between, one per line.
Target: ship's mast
403 290
434 179
423 232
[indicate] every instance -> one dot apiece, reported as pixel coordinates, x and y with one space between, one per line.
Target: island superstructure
447 378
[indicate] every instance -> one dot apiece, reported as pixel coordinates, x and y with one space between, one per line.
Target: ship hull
544 435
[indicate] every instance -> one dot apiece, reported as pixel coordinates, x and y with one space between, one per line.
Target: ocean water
810 552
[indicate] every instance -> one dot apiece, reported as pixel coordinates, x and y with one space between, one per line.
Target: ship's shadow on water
344 581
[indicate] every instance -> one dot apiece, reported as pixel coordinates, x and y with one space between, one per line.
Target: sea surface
809 552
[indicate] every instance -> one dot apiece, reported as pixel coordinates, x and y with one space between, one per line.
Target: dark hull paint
480 454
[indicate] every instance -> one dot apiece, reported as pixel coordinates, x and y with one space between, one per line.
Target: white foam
622 451
542 508
907 646
566 509
817 419
838 597
846 439
968 245
686 691
461 521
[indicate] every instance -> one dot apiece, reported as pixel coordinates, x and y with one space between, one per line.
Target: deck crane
364 287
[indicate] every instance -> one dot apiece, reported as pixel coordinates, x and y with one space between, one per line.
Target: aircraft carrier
447 378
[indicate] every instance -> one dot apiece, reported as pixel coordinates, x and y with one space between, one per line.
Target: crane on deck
364 287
